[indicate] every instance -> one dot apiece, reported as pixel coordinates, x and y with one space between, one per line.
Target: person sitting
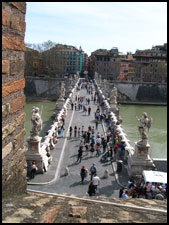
125 194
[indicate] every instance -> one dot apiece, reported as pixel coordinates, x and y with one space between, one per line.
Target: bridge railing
129 150
53 131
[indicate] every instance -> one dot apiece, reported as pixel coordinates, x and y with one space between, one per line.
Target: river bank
143 103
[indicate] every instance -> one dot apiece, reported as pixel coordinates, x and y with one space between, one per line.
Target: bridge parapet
129 150
40 153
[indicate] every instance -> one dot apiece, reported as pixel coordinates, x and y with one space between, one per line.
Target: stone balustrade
129 150
53 131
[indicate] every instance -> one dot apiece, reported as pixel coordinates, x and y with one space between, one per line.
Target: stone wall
13 98
141 92
45 87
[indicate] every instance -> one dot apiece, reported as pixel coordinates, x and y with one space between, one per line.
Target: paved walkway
65 155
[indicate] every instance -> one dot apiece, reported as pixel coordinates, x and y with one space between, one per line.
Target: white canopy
155 176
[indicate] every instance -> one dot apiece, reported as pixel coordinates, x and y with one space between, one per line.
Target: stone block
17 23
19 5
50 215
5 18
10 128
18 156
5 66
6 150
14 86
12 43
5 110
19 139
16 67
17 103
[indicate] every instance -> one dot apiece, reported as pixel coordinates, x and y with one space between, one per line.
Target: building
105 62
33 63
61 60
151 64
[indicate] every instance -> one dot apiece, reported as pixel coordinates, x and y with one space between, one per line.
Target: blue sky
93 25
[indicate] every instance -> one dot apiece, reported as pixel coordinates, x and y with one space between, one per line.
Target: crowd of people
107 145
138 188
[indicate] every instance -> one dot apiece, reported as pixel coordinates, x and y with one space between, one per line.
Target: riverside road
65 155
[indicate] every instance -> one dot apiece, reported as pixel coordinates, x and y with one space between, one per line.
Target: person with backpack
93 170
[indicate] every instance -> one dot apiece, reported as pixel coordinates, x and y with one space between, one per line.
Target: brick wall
13 98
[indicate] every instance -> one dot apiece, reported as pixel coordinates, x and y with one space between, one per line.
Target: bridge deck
65 155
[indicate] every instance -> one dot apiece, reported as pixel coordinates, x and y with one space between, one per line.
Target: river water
157 136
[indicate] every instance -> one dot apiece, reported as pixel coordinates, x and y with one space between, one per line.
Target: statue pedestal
33 153
140 160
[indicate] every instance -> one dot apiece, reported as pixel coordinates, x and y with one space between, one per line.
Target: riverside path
65 155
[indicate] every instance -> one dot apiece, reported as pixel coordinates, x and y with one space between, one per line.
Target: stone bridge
51 172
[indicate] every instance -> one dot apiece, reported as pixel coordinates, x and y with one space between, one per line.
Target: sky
94 25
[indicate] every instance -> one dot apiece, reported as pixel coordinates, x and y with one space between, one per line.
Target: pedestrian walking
96 182
115 151
70 131
72 105
88 136
104 143
91 189
93 129
63 119
80 153
79 132
62 131
93 170
85 137
85 110
108 134
89 110
82 130
75 106
75 131
98 144
111 152
92 148
83 173
79 106
97 122
87 148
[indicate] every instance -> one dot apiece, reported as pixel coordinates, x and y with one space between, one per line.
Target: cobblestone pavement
71 184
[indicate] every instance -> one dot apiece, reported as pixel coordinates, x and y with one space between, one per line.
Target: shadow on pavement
108 190
73 164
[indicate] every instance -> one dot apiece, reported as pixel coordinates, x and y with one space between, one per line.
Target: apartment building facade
151 64
105 62
61 60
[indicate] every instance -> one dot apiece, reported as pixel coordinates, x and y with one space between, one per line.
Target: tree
41 47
